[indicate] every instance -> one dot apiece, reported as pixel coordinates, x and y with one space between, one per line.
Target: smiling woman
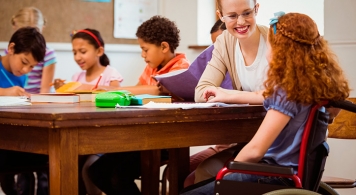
241 51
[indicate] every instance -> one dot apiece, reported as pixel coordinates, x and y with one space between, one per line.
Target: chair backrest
314 149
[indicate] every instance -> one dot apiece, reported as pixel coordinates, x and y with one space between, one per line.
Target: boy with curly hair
114 173
158 38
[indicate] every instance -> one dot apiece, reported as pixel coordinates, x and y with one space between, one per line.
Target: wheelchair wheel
291 192
326 189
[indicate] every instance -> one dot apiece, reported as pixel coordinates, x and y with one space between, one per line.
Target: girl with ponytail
89 53
88 50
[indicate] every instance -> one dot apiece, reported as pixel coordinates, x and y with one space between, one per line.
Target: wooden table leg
178 169
150 166
63 161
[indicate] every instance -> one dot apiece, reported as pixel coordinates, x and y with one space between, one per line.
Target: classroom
194 19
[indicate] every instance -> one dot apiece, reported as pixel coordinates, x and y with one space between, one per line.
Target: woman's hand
213 94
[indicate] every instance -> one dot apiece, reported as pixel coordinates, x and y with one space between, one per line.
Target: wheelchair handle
345 105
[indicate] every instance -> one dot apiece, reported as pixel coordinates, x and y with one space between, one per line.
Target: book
55 97
182 105
86 96
182 83
14 101
146 98
68 87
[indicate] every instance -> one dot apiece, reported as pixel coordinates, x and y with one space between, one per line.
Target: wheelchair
313 153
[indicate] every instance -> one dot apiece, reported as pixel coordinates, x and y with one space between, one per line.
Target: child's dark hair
29 40
219 25
88 34
159 29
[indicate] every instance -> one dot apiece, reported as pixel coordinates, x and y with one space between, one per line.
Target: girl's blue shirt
7 79
285 149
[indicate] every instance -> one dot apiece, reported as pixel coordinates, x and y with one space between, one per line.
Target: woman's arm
271 127
214 94
47 78
211 77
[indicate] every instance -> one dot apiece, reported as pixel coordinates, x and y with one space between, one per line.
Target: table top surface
88 111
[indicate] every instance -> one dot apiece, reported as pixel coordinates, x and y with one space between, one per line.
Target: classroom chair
6 175
313 153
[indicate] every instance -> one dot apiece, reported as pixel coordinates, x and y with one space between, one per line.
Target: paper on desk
14 101
182 105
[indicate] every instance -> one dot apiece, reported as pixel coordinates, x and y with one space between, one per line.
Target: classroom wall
340 32
126 58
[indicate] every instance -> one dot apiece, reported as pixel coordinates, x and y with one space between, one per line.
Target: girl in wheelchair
303 72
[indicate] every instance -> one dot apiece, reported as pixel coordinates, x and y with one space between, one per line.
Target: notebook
55 97
86 96
14 101
146 98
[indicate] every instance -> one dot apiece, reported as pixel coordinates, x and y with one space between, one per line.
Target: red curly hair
302 63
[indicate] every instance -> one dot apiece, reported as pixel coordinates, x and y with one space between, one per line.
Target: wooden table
65 131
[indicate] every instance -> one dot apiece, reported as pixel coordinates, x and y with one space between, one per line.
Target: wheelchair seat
312 158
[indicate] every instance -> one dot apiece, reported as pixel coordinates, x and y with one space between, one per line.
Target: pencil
8 79
97 83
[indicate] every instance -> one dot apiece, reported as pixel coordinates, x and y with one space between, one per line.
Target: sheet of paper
183 105
14 101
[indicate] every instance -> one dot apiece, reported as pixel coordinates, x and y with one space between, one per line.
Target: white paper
182 105
130 14
14 101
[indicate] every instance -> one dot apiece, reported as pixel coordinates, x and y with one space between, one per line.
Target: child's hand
162 89
15 91
58 83
213 94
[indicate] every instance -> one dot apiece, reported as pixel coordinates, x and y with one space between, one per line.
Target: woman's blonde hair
219 7
29 16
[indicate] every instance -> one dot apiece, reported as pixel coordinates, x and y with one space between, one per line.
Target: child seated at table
89 54
115 173
26 48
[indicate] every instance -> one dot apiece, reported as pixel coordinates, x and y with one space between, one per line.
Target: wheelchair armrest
260 167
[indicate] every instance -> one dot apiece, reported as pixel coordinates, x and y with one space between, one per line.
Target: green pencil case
111 98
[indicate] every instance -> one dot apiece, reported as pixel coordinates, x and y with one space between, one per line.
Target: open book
182 83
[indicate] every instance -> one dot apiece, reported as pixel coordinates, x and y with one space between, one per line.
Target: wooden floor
346 191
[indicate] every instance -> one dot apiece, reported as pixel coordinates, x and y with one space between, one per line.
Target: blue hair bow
274 20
